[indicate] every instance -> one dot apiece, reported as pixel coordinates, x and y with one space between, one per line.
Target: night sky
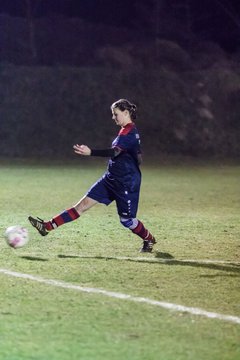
214 20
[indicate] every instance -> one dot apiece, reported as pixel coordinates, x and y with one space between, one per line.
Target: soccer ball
16 236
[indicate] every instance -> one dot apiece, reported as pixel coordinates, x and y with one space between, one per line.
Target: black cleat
148 245
39 225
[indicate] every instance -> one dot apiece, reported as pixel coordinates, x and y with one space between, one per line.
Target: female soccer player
121 182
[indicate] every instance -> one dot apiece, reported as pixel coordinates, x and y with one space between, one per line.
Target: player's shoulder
129 128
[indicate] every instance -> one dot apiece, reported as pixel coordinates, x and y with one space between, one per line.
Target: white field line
162 304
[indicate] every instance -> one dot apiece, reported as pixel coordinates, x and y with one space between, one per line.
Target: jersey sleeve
115 151
126 142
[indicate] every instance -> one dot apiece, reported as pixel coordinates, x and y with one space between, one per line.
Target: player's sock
142 232
63 218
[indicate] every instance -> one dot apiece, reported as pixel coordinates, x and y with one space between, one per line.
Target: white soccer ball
16 236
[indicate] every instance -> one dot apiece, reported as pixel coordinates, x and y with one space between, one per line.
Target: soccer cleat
39 225
148 245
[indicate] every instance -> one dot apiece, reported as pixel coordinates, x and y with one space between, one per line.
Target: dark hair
124 104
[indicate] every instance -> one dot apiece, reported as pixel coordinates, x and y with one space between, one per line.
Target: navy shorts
106 190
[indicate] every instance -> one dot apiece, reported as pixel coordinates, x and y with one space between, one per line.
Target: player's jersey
124 167
121 182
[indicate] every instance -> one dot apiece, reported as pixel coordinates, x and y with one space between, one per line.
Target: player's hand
82 149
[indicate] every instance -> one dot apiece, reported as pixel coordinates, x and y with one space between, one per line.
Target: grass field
193 210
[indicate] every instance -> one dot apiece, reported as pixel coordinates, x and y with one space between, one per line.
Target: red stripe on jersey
126 129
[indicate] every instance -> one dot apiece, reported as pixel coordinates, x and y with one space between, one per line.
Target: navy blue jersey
122 180
125 167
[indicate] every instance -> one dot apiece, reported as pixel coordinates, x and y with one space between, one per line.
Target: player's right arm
85 150
82 150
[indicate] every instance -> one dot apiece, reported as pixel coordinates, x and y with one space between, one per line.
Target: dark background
63 62
214 20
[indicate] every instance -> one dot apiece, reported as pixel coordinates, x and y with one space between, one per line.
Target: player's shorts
107 189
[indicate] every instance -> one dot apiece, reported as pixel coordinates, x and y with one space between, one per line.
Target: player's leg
70 214
138 228
98 193
64 217
127 205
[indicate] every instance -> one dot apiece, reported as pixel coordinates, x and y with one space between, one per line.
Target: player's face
121 118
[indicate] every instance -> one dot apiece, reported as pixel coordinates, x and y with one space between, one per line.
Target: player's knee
129 223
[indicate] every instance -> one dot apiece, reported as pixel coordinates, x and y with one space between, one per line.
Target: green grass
193 210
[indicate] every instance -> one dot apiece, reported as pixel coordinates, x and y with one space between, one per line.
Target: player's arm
85 150
113 152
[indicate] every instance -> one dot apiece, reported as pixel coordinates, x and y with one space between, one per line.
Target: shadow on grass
33 258
166 259
216 275
233 268
162 255
119 258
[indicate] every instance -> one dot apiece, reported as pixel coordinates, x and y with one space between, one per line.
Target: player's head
125 105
